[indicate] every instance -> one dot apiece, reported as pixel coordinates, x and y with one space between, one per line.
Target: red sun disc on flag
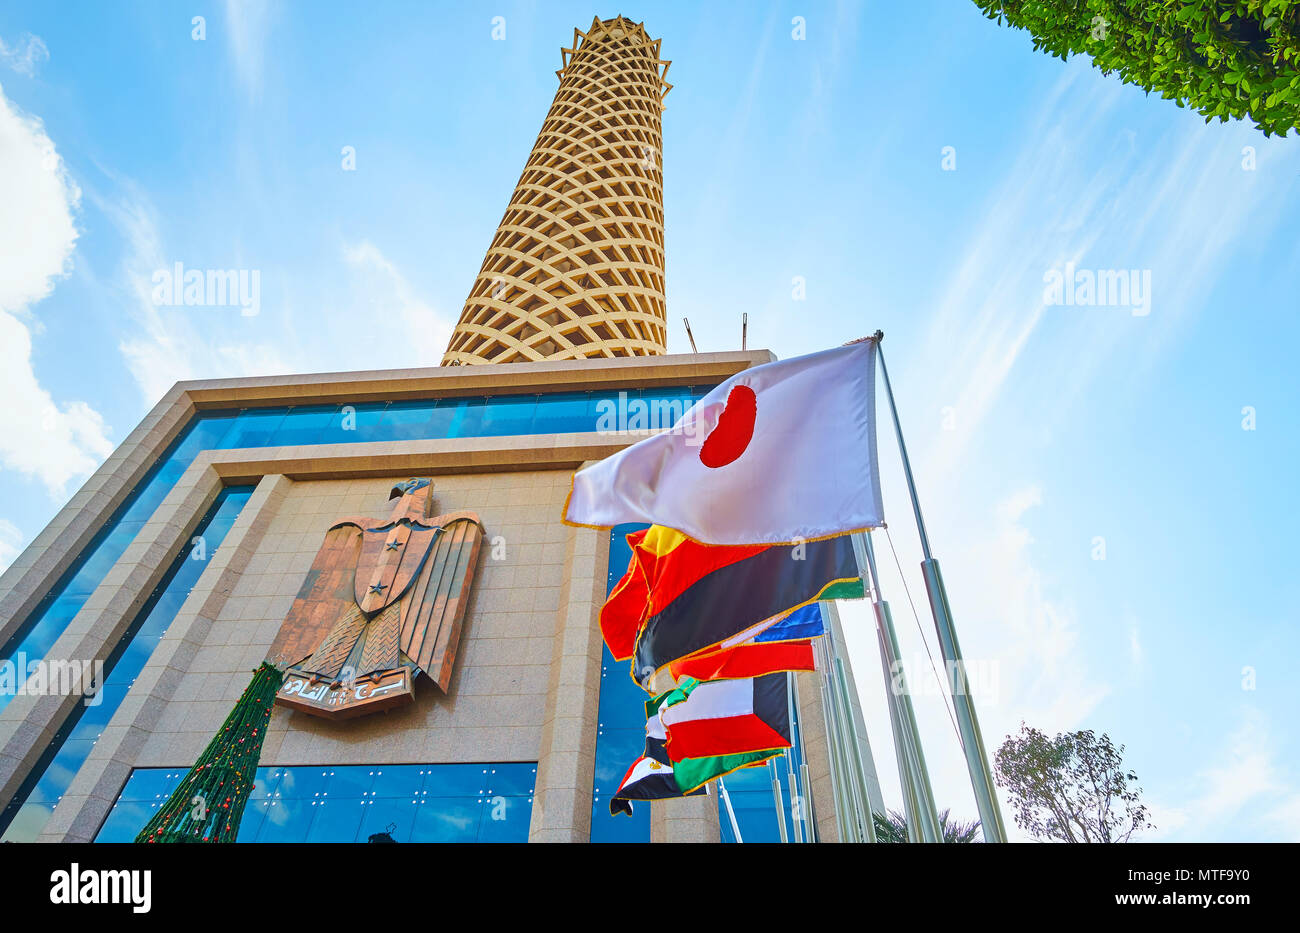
734 430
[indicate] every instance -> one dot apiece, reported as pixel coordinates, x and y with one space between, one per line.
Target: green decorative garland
209 802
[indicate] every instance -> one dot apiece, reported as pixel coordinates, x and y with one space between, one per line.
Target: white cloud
176 344
25 55
53 442
247 23
10 539
1241 795
425 332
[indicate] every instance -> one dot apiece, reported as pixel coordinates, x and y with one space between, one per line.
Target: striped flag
742 600
785 646
654 776
726 717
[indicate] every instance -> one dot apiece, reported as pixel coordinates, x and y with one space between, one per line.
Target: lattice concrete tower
576 268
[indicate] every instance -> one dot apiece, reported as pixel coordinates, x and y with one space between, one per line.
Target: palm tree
893 828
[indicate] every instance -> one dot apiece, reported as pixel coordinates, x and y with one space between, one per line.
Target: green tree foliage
894 828
1071 788
1230 58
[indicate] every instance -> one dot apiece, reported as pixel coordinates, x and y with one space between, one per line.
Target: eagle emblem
384 601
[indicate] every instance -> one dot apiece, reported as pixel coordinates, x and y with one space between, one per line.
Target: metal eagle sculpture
383 601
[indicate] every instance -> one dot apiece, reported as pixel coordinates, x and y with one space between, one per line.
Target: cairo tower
576 269
392 540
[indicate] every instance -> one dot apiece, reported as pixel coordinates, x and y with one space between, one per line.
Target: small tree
1226 58
1071 788
893 828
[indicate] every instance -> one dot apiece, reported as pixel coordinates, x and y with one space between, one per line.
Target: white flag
777 454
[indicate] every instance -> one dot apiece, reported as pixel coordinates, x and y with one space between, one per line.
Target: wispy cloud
424 331
54 442
10 539
247 25
25 55
169 345
1241 794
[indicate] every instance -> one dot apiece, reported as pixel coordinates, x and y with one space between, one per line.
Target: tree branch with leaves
1223 58
1071 787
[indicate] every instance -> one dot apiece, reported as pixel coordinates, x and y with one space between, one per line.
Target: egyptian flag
687 612
785 646
777 454
654 776
727 717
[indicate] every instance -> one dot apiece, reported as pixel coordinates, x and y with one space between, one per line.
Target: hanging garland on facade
209 802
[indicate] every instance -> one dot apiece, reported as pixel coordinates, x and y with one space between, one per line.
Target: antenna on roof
744 331
689 335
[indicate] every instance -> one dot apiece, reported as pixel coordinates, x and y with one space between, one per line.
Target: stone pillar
566 763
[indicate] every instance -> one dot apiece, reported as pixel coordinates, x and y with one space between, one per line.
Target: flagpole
832 749
843 794
907 738
848 742
807 809
731 814
808 806
796 804
777 800
967 724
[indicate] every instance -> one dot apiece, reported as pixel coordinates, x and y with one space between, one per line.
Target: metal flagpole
731 814
840 682
832 750
807 809
796 804
907 738
847 745
986 798
777 800
808 806
855 752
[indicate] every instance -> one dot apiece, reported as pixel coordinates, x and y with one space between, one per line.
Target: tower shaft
576 269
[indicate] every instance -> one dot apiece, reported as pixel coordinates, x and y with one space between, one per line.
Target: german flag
680 597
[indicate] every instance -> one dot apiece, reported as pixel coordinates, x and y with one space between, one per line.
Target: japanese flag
777 454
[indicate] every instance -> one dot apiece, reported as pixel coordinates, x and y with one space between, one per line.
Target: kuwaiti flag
776 454
654 776
785 646
727 717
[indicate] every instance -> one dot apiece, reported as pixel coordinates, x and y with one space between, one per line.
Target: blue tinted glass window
404 781
620 735
347 803
392 815
562 413
508 414
468 419
205 433
253 428
405 421
447 819
72 745
285 820
304 425
356 424
335 820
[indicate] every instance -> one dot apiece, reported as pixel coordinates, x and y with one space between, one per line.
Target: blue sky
1038 430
